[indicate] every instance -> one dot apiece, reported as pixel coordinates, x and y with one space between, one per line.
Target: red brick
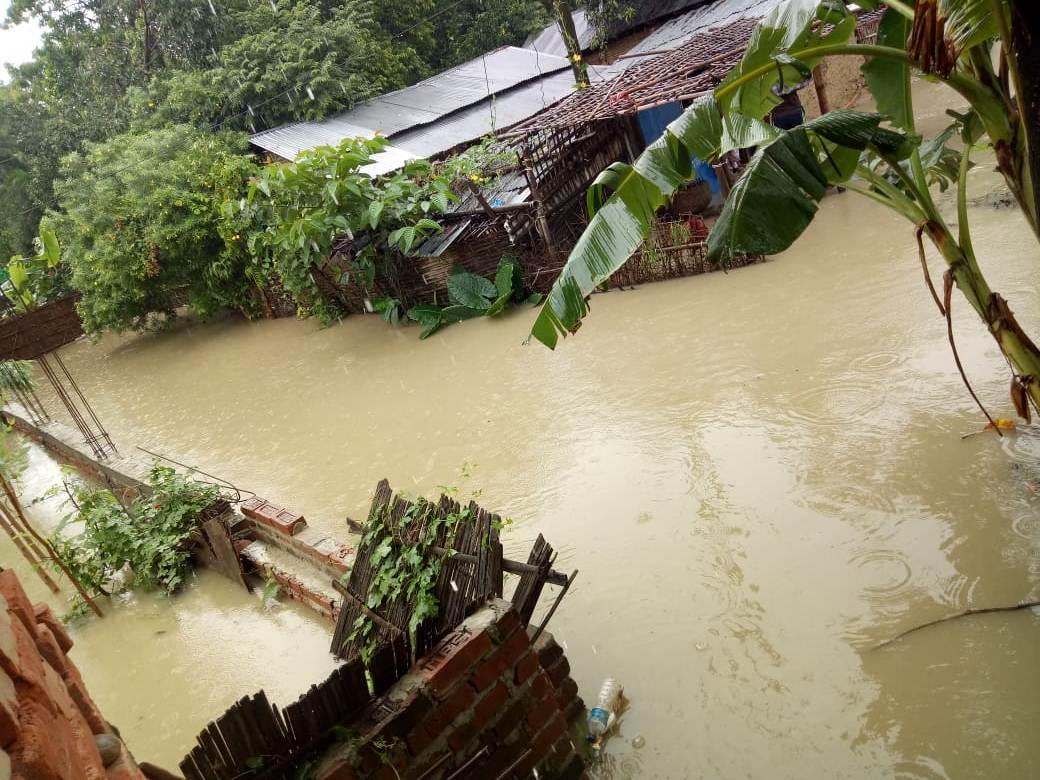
548 650
541 713
49 648
566 693
26 664
540 685
559 671
548 736
45 616
8 711
501 759
503 658
456 704
453 657
525 667
8 644
510 719
53 748
508 623
418 739
281 520
81 698
491 703
460 738
17 602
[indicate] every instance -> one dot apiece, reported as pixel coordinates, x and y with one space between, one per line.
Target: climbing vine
403 567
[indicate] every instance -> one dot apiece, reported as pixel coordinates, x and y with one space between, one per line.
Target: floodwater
161 668
760 476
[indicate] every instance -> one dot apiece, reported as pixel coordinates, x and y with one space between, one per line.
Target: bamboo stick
35 561
13 498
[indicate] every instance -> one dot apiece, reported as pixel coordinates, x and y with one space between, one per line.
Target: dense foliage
109 66
40 277
297 216
140 225
150 536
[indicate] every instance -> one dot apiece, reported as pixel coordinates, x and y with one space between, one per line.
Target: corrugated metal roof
426 104
699 20
550 40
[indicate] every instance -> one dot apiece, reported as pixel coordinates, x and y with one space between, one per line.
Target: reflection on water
759 474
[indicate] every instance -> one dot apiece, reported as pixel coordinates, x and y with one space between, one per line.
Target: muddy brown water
759 474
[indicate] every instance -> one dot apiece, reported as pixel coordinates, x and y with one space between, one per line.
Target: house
563 138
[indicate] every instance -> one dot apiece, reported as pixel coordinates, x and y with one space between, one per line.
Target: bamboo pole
13 498
35 561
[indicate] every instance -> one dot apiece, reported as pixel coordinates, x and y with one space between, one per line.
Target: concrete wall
50 728
486 699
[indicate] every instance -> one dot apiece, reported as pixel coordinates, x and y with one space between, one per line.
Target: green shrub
140 227
151 535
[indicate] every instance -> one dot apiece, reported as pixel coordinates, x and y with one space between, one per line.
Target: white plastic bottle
601 716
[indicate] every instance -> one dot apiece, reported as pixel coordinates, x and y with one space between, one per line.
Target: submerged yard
760 475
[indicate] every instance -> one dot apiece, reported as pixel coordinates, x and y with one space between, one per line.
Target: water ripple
835 405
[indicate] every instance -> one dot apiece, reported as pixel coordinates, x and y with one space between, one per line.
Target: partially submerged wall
50 728
487 702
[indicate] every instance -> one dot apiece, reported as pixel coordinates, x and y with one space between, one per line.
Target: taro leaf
18 274
504 277
499 305
460 313
429 316
888 80
773 201
469 289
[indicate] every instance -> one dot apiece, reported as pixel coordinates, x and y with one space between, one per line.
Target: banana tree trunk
1016 346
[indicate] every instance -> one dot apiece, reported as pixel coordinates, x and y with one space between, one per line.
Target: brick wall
485 699
48 723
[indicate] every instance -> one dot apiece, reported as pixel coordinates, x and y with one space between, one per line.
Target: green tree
956 41
290 61
140 226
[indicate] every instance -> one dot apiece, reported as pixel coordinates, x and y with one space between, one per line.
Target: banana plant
38 278
878 155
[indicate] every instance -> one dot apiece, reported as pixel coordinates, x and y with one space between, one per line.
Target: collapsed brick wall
486 700
48 722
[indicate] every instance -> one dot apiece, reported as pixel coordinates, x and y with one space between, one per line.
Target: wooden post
541 223
818 74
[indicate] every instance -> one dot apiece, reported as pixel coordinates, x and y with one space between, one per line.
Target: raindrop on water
638 742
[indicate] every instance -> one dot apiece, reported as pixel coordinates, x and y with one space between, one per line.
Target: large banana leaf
776 198
624 198
794 25
889 80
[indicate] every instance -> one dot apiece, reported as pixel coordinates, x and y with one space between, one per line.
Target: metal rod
515 764
458 772
552 609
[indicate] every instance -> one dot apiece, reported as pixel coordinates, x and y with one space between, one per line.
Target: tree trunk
563 12
1016 346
